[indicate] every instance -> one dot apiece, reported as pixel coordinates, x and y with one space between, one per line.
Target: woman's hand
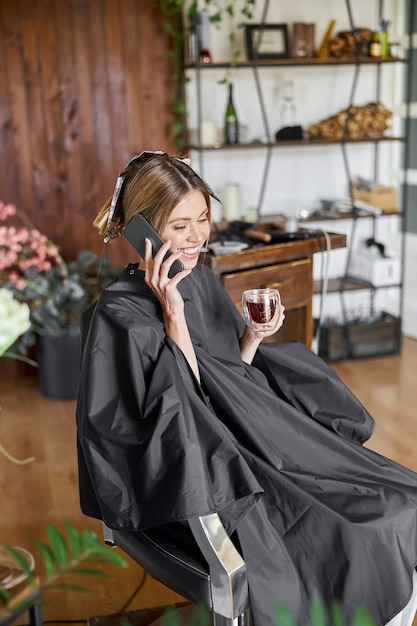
156 277
165 289
250 339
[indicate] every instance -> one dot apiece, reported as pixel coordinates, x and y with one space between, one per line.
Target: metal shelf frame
270 145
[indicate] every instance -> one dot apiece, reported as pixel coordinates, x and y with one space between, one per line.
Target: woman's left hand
250 339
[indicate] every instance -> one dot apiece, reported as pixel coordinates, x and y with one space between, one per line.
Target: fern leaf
48 557
89 571
170 618
283 615
317 613
337 615
58 545
361 617
74 539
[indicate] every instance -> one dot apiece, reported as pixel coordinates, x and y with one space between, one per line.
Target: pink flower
21 284
6 210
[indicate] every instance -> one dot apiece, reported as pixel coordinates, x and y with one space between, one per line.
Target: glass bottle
288 110
204 37
231 122
190 50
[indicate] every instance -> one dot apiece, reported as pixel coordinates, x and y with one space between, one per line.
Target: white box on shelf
380 271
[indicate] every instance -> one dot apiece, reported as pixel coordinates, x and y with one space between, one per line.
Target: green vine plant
238 13
176 13
80 553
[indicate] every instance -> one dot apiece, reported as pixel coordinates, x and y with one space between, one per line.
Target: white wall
410 287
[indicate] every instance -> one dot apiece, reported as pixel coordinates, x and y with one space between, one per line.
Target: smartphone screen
135 232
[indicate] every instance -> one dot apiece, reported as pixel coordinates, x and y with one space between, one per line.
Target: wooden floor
45 490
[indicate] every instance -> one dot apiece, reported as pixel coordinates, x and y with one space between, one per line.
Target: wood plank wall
84 85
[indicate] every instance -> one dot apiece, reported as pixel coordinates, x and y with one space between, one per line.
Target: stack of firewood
346 44
355 122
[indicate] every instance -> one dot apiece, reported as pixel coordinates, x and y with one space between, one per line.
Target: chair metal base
242 620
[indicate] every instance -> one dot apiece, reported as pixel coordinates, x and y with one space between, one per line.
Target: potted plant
57 292
79 553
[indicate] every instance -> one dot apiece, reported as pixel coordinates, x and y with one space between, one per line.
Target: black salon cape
274 447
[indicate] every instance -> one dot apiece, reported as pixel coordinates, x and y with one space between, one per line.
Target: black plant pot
59 366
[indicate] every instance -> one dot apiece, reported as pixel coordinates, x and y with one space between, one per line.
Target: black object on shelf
289 133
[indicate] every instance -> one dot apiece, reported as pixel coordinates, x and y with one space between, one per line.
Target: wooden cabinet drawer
294 281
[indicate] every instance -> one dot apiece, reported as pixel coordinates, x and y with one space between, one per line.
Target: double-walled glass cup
262 309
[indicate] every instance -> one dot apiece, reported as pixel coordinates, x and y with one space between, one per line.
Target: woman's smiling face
188 227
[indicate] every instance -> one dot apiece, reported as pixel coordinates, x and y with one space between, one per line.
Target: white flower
14 319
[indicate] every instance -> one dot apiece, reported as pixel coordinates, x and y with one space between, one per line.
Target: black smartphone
135 232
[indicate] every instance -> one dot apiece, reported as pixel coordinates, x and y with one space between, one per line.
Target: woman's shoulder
128 296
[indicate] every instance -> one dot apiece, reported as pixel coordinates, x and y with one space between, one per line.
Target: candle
251 215
232 202
208 133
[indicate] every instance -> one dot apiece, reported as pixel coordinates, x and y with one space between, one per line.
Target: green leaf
74 539
362 617
193 10
317 613
90 541
22 561
111 556
170 618
69 587
89 571
201 616
283 615
337 614
58 545
48 557
4 595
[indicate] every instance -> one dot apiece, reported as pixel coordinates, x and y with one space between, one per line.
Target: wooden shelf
291 62
299 143
348 216
335 285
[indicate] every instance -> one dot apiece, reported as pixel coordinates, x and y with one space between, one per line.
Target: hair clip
121 180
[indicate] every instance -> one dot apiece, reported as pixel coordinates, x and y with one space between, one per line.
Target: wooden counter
287 267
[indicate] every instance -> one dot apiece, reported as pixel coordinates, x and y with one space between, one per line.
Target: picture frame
273 41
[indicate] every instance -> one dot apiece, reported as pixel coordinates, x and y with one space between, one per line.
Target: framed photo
266 41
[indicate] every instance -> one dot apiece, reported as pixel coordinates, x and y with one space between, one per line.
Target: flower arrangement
14 319
33 270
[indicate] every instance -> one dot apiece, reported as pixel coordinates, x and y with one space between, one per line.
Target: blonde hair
152 185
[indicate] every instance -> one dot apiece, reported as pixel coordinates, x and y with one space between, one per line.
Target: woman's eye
203 219
179 227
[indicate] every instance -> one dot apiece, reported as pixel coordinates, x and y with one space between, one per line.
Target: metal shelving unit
345 283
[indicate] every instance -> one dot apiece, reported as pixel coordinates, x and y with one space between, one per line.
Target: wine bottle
231 127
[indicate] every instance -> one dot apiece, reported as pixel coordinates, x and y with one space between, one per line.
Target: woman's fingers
157 269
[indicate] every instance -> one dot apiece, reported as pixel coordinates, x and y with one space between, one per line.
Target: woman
182 410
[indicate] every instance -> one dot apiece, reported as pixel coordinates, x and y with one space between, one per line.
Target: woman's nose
194 233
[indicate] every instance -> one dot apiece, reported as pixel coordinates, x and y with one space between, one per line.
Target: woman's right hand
165 289
156 277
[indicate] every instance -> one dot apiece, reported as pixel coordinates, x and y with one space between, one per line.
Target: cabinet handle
259 235
276 286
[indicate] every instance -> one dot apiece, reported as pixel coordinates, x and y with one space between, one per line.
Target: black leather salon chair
203 565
